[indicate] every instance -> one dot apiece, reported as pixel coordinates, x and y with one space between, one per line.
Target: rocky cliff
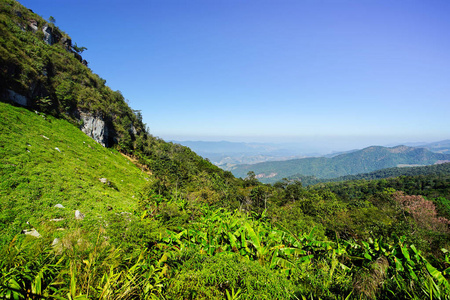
41 69
96 128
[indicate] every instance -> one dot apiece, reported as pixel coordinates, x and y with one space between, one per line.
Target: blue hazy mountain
355 162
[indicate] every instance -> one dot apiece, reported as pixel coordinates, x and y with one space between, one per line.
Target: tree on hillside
251 179
78 49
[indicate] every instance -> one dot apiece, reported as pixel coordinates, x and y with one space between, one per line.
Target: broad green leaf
367 256
406 254
398 264
411 272
437 275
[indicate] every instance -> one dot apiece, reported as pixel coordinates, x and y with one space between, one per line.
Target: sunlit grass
46 161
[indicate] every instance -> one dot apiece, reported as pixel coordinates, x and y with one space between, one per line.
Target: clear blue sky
361 71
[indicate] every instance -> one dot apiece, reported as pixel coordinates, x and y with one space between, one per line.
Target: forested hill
435 170
362 161
439 169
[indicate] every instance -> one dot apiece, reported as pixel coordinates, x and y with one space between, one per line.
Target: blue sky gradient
354 73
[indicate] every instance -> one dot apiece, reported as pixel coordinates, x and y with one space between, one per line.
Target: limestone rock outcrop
48 37
33 25
96 128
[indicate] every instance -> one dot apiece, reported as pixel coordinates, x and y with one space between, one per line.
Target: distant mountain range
438 147
228 154
445 144
350 163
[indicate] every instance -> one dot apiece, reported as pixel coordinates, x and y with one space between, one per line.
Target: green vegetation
362 161
142 237
162 223
440 170
433 186
46 161
53 77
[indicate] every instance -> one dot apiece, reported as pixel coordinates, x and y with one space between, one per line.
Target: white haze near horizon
308 145
330 75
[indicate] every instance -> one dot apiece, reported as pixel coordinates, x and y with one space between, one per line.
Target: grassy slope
31 183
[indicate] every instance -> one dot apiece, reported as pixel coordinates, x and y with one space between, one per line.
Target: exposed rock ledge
12 96
95 127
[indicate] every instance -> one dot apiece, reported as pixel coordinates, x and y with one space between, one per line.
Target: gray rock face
79 215
15 97
78 56
132 130
95 128
67 43
33 25
48 36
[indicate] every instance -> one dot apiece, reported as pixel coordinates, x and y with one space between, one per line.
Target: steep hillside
41 69
362 161
45 161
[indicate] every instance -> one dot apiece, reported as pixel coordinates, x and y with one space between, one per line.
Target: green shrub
211 277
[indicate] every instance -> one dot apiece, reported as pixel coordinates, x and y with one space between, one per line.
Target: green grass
34 175
172 248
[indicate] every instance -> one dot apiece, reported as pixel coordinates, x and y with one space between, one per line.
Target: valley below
355 162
